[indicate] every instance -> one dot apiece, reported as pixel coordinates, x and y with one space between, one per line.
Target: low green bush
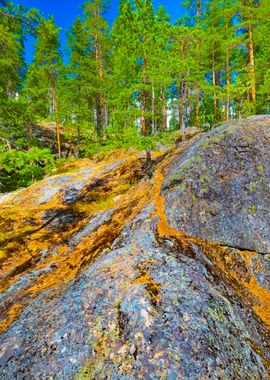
21 168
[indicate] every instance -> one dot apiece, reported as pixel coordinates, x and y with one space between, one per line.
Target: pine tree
14 115
96 29
12 64
141 42
248 22
124 60
160 72
79 86
43 75
261 28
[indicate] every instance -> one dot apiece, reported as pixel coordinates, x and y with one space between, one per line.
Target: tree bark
198 10
252 67
180 108
58 136
154 131
184 108
143 118
198 93
164 109
228 85
78 150
98 117
101 120
214 78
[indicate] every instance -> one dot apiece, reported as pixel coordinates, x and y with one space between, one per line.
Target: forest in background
130 84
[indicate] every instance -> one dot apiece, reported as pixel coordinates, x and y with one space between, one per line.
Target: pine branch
21 20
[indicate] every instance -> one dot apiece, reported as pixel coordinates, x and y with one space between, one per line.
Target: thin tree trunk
101 125
143 118
188 106
144 99
228 85
184 109
79 117
30 129
164 109
228 76
58 137
198 93
198 10
98 118
214 75
78 149
252 67
154 131
103 116
106 119
180 108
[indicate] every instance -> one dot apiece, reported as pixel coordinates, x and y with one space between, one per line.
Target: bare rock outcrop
102 276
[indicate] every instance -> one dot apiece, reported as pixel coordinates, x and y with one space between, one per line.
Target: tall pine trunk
180 108
78 150
103 116
101 102
198 90
164 108
184 108
198 9
228 86
154 131
58 137
198 95
214 79
98 118
144 99
252 67
228 76
143 118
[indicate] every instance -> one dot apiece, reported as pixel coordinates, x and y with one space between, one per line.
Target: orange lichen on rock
152 287
237 269
11 316
259 297
164 230
65 262
24 238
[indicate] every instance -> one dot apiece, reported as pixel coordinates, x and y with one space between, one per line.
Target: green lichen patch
252 209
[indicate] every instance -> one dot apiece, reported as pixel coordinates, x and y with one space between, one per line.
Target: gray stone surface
142 311
219 188
143 301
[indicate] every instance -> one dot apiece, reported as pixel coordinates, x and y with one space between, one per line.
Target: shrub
20 168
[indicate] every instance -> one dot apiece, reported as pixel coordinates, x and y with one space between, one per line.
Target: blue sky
65 12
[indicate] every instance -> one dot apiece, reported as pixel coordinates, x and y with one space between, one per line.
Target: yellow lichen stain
153 288
24 243
262 308
259 297
246 286
12 315
63 249
265 361
22 237
164 230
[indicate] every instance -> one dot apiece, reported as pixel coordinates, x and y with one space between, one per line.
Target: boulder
219 188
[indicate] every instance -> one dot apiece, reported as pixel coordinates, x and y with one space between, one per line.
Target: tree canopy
126 83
